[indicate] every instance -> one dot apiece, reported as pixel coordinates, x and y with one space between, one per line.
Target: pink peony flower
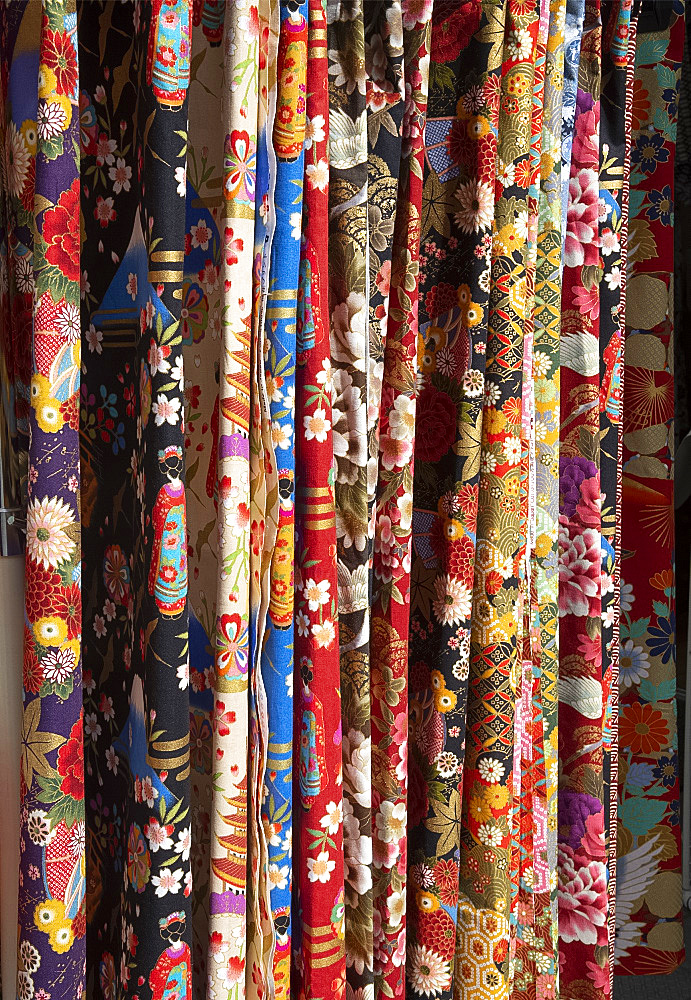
589 507
586 139
593 840
582 219
579 570
587 300
582 896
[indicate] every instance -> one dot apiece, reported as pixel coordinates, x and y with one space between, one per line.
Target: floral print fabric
650 935
337 361
43 189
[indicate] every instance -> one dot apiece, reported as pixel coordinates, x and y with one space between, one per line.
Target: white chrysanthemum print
428 972
48 522
489 835
30 956
453 600
38 826
473 383
491 770
476 200
67 323
16 160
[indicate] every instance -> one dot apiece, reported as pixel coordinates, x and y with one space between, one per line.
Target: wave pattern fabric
337 368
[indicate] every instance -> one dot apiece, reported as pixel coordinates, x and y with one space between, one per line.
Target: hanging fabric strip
457 211
136 639
280 339
229 805
616 625
385 92
264 514
43 199
396 282
202 306
582 793
649 929
319 923
348 288
536 966
612 234
491 812
540 918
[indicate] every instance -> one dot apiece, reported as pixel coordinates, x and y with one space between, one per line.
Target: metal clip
12 515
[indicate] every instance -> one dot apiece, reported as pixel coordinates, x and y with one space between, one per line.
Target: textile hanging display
338 353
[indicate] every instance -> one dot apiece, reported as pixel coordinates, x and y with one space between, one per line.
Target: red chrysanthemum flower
32 671
41 588
437 931
68 605
460 559
57 53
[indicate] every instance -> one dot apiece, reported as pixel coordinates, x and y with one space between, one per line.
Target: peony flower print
579 570
582 224
582 895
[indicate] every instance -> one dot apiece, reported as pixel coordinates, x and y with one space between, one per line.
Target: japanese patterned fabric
338 339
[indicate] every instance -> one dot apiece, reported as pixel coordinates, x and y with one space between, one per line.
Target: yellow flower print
49 416
496 796
494 421
40 388
512 486
428 362
444 701
478 126
28 131
509 239
47 83
543 545
74 647
463 296
474 314
453 530
547 163
462 112
426 902
61 937
517 84
48 913
437 678
479 808
50 631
